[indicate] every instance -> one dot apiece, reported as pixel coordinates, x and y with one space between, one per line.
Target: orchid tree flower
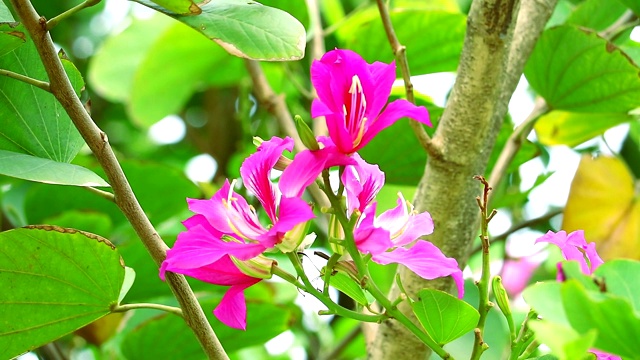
388 237
224 240
353 95
574 247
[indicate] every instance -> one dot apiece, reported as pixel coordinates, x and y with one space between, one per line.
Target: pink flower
225 239
575 247
352 96
387 236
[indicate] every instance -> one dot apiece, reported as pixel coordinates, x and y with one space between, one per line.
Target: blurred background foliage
180 113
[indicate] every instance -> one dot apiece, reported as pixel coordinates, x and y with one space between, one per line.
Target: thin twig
400 52
165 308
56 20
277 106
514 143
25 79
346 341
125 199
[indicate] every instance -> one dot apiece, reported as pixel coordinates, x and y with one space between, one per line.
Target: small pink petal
232 310
426 260
392 113
368 237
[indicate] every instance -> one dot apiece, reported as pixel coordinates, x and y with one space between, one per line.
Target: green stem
54 21
276 270
25 79
103 194
127 307
363 273
483 284
324 298
328 269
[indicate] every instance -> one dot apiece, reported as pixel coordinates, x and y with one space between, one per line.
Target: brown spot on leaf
18 34
72 231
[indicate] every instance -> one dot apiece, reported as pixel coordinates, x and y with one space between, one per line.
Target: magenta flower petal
369 238
426 260
574 247
601 355
232 310
352 95
255 171
392 113
306 167
404 224
293 211
197 247
362 183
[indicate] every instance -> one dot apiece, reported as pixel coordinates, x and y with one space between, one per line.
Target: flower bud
336 234
294 238
501 295
258 267
306 135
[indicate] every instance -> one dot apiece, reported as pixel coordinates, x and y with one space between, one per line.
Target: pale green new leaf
54 281
247 29
571 128
27 167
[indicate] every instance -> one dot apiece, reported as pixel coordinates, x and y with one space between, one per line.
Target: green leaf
34 122
620 277
197 65
614 319
444 316
247 29
596 14
37 169
182 7
112 68
545 299
12 35
54 281
344 283
571 128
634 5
564 342
157 338
5 14
443 43
575 70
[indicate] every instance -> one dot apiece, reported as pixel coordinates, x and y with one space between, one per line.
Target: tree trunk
500 37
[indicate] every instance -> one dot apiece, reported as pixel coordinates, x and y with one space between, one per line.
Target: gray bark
495 51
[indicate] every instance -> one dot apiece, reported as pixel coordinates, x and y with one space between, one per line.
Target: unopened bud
336 234
306 135
501 295
293 238
258 267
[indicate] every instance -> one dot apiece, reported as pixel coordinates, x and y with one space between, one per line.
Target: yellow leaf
603 202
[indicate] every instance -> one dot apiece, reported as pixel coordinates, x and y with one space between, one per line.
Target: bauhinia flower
225 239
353 95
388 237
574 247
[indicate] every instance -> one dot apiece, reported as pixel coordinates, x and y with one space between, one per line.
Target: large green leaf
439 51
444 316
596 14
33 121
571 129
563 341
634 5
621 278
12 35
112 68
157 337
54 281
38 169
195 64
575 70
617 323
247 29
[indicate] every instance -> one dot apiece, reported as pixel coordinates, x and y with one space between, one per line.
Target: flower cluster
225 241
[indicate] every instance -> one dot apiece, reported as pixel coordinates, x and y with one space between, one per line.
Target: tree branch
495 50
124 197
317 50
400 52
276 105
